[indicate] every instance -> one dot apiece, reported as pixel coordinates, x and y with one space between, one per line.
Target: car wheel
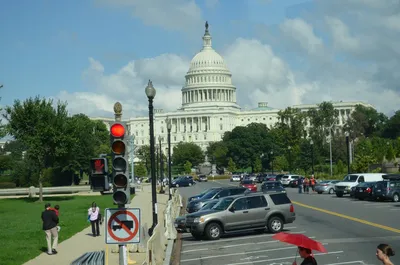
213 231
396 197
319 192
275 224
331 191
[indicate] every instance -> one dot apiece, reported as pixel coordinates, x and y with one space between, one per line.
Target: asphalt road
347 241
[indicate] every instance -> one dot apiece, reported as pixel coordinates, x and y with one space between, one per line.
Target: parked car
218 193
253 211
351 180
364 190
235 178
388 189
202 178
286 179
250 185
198 196
272 187
182 182
326 186
180 222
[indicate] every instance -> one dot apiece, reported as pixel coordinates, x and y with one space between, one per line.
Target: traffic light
99 174
120 174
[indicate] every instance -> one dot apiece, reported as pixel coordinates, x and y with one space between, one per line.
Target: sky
92 53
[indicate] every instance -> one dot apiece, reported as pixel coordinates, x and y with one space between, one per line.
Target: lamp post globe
150 90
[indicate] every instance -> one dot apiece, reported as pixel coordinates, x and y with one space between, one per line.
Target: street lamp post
312 156
348 152
169 127
161 166
272 162
290 158
151 93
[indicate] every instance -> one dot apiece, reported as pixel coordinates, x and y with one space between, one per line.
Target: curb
168 252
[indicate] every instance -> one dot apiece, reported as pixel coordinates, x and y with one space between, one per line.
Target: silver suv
252 211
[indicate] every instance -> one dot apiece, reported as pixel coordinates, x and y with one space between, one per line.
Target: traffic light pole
122 248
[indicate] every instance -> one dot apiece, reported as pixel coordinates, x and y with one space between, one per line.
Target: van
353 179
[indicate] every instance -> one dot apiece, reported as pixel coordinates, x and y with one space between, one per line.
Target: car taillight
368 190
291 208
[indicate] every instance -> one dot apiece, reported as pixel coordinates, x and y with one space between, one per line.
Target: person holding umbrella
305 246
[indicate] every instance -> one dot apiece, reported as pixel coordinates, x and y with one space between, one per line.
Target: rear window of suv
280 198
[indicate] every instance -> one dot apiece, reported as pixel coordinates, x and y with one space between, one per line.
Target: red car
250 185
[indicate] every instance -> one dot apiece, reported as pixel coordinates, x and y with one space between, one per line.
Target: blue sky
46 45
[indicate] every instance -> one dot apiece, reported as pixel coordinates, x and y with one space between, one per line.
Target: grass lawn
22 237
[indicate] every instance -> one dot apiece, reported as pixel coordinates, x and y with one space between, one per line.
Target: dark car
182 182
198 196
388 189
364 190
272 187
218 193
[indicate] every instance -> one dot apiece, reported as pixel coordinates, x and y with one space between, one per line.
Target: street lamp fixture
169 127
312 156
151 93
161 166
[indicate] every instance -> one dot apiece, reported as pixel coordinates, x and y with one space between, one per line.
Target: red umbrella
300 240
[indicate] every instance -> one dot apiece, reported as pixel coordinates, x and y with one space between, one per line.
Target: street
350 230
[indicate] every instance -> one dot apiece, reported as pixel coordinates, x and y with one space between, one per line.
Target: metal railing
46 190
90 258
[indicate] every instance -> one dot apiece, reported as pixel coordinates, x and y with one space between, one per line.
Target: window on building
162 129
183 138
264 119
195 137
137 133
205 137
174 138
142 141
221 127
142 132
220 119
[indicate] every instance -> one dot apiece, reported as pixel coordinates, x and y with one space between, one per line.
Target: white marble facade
209 107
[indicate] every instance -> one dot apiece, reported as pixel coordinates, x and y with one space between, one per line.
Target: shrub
7 185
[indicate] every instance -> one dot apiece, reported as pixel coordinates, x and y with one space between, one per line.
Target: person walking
300 184
50 222
312 183
306 185
307 255
93 217
383 253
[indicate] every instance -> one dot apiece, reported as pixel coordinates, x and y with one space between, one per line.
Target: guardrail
46 190
163 233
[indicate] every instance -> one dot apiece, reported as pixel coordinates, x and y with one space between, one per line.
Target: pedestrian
307 255
306 185
300 184
312 183
94 218
383 252
56 209
50 222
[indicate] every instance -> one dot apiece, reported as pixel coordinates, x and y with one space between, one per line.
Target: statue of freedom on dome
206 25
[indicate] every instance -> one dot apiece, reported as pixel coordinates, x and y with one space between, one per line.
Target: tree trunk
40 188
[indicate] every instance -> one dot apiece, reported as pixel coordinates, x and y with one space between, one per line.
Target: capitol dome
208 81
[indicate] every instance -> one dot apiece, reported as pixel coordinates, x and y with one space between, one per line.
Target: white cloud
356 58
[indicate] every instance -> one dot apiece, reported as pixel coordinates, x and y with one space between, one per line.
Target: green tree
140 170
281 163
6 162
184 152
218 150
257 166
16 148
187 167
143 153
340 168
231 165
392 126
365 121
390 154
40 127
362 163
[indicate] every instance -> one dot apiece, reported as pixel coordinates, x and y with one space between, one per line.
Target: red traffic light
120 181
117 130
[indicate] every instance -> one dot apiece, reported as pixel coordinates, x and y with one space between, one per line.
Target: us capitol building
209 107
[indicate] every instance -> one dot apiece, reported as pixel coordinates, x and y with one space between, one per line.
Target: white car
235 178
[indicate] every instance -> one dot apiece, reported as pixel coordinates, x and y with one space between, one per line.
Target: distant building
209 107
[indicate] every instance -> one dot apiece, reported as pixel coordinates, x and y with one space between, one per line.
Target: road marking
237 238
276 259
384 227
348 262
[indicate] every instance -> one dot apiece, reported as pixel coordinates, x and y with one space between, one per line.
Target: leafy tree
392 127
340 168
187 167
365 121
390 154
231 165
362 163
41 127
218 150
257 166
6 162
16 148
140 170
184 152
281 163
143 153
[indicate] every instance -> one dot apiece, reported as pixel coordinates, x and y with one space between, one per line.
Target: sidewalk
83 242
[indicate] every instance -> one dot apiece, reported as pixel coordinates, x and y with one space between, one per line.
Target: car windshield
247 181
210 194
223 204
350 178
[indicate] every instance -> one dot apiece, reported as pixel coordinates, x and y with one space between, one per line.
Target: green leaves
187 152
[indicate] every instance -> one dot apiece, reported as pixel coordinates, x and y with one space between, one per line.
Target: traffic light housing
120 174
99 174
